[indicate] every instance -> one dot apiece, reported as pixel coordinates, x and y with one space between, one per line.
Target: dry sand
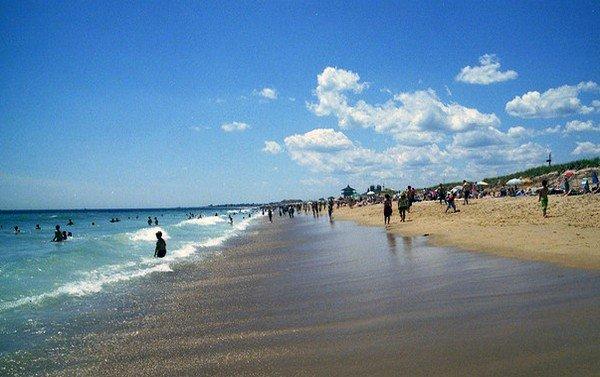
509 227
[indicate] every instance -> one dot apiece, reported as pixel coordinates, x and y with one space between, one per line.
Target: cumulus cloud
487 72
409 115
580 126
554 102
586 148
268 93
272 147
235 126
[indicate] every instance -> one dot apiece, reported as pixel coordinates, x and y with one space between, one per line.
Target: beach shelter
514 182
482 183
348 191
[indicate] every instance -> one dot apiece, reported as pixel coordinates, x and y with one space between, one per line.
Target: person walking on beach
402 206
270 213
410 195
450 202
161 246
543 197
466 188
441 191
387 209
330 209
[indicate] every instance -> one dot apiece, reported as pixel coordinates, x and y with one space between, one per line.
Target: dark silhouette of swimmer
37 227
230 220
70 222
17 230
161 246
155 221
57 234
69 234
64 235
149 220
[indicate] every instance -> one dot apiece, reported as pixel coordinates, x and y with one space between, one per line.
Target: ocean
39 278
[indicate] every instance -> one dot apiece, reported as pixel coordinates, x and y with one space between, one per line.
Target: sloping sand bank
510 227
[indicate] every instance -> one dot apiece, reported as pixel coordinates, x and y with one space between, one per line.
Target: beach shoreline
507 227
307 296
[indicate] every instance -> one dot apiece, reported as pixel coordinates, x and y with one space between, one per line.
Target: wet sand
509 227
306 297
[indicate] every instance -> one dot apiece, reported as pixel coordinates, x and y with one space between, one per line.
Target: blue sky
133 104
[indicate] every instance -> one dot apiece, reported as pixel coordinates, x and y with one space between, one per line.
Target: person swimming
161 246
38 227
17 230
70 222
155 221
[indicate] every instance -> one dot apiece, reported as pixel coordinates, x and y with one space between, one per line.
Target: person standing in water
387 209
230 219
58 237
543 197
270 213
161 246
149 220
155 221
330 209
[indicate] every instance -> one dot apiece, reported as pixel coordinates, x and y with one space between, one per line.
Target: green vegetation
541 170
537 171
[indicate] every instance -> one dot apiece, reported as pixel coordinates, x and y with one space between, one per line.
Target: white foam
95 280
147 234
209 220
92 284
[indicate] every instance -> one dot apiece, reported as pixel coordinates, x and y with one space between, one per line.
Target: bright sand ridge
509 227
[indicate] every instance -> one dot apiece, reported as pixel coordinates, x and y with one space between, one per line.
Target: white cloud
586 148
554 102
235 126
580 126
488 72
272 147
268 93
407 114
320 139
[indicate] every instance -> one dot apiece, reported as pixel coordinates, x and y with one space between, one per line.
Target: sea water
37 275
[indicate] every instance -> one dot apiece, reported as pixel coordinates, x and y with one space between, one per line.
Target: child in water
161 246
543 197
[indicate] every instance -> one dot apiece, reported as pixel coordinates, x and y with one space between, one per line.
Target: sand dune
511 227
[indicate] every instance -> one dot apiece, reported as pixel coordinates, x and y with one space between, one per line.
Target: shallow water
38 277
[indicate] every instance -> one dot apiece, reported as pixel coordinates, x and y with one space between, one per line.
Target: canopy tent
514 182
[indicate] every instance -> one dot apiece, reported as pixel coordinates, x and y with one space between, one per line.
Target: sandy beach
307 297
508 227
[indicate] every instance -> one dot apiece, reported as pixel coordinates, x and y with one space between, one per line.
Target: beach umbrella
370 193
569 173
482 183
514 182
